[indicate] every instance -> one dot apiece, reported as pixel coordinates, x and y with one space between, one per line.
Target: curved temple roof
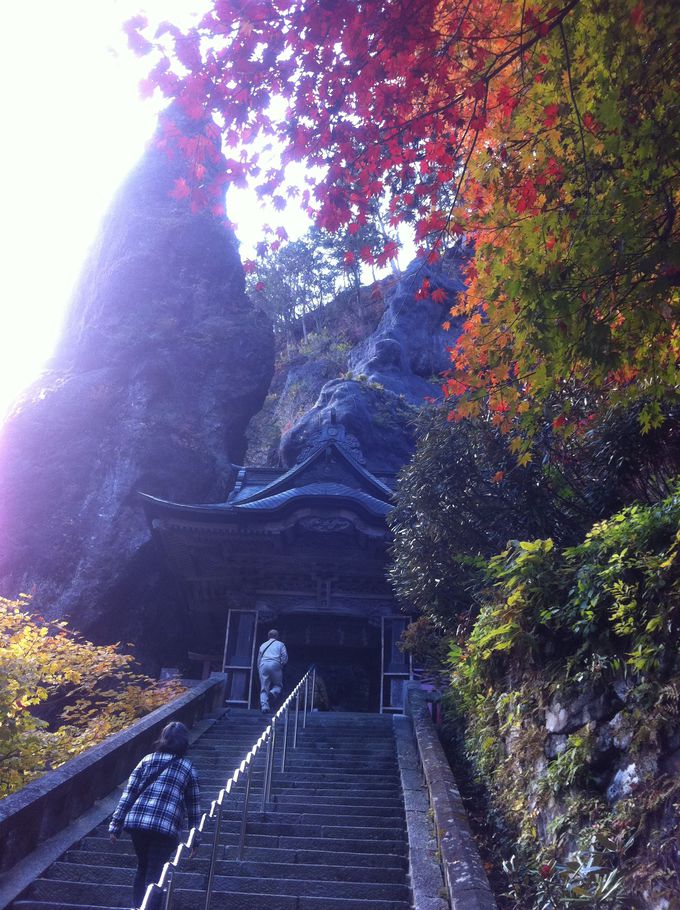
316 491
329 478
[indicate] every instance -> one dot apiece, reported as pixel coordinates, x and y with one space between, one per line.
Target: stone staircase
333 837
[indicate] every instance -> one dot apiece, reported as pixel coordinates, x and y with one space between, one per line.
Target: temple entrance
303 550
346 651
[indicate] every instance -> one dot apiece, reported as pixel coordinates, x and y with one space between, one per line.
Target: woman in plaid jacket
161 790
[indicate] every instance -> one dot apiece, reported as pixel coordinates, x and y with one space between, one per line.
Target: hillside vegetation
551 606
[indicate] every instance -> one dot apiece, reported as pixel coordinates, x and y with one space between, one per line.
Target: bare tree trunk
357 284
304 322
394 263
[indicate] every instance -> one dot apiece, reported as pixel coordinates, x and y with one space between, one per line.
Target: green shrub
580 621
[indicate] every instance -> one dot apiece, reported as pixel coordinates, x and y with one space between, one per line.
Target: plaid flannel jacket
161 807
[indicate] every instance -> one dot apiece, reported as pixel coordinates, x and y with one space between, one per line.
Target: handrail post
244 817
304 714
285 741
266 770
271 762
311 707
167 903
215 847
297 712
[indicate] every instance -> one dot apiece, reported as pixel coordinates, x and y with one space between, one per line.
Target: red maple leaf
636 14
477 89
423 291
550 112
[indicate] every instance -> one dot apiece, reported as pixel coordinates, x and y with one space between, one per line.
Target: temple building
302 550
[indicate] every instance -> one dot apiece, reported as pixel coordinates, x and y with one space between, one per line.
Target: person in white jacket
271 659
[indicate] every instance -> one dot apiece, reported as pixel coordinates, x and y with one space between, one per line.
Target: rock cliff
161 364
375 387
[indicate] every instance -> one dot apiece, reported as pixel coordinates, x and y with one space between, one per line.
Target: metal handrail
165 884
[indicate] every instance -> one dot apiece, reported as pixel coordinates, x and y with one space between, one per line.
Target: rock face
162 362
391 373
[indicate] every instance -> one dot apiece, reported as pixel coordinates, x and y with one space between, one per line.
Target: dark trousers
153 851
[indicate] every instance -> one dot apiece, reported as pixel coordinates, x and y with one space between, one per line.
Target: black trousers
153 851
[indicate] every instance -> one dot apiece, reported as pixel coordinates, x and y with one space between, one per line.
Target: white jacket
273 650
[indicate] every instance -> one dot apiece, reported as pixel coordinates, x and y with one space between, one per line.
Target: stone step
334 832
209 760
302 789
335 801
44 905
316 871
391 820
306 831
188 900
344 783
360 750
301 763
285 805
80 893
312 739
345 844
127 857
286 808
234 901
226 764
310 779
268 867
314 736
314 820
118 895
294 756
342 802
65 874
312 888
324 724
309 741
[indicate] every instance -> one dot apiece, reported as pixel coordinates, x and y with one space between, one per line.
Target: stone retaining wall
466 881
49 804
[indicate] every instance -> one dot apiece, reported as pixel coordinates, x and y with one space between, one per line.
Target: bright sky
73 126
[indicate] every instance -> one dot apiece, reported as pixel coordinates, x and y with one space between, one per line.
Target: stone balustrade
466 881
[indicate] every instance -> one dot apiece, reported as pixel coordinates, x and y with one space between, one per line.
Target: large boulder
161 364
392 373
